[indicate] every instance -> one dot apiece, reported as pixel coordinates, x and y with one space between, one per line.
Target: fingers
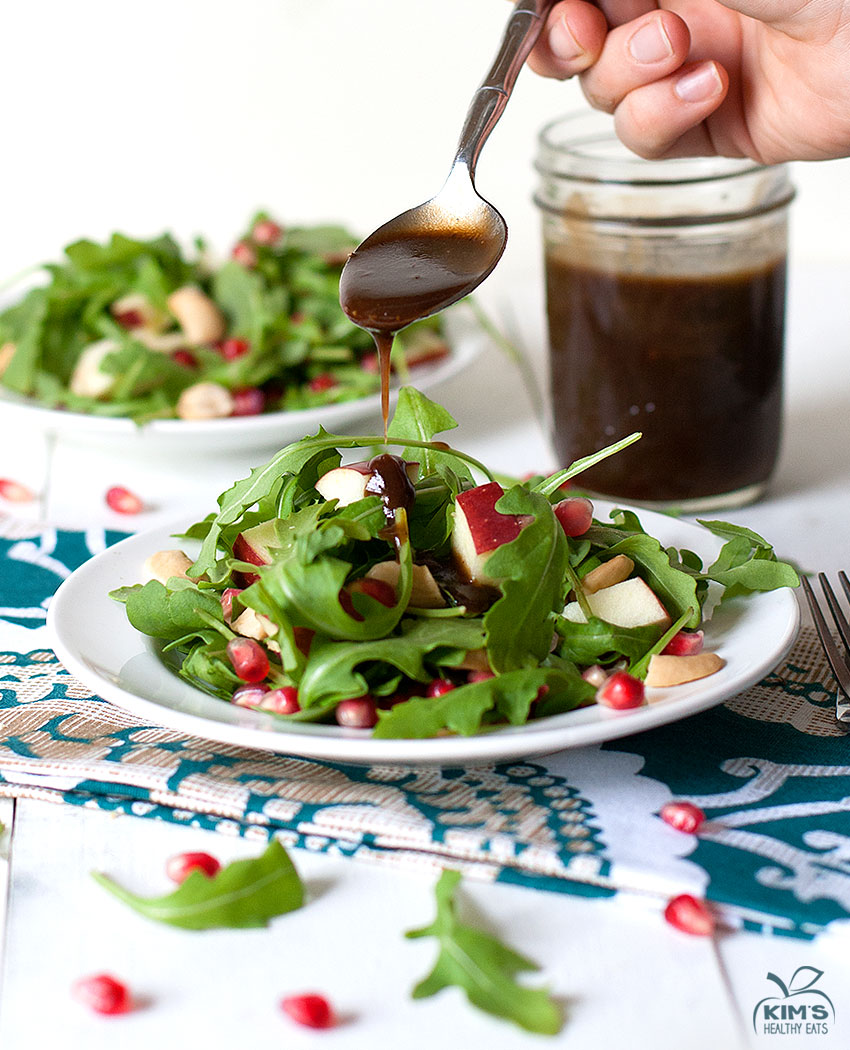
571 41
667 118
635 55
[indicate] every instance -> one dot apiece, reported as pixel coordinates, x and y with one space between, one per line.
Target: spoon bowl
425 259
430 256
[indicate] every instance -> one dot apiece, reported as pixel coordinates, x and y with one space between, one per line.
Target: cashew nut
616 570
205 401
87 379
165 564
676 670
198 316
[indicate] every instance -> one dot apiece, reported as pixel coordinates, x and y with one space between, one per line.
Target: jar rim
583 145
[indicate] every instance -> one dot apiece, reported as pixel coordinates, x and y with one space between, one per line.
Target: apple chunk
255 546
424 594
479 529
628 604
345 484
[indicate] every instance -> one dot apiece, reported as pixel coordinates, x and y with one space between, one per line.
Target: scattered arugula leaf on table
483 967
244 894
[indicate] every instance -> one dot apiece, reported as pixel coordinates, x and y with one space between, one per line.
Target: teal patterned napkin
770 768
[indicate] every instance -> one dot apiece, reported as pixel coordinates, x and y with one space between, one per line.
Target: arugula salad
416 595
140 329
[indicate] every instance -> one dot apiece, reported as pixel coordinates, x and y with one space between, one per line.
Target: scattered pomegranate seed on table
310 1010
102 993
248 658
621 691
683 816
123 501
575 513
690 915
180 866
15 492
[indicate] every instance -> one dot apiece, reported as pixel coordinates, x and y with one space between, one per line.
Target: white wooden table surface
627 979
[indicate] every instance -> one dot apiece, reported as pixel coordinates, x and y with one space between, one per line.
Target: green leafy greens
484 967
243 894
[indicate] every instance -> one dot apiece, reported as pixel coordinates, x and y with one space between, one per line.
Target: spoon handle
488 102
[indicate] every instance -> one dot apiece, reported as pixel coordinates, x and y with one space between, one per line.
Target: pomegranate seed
480 676
621 691
185 358
244 254
683 816
303 637
359 713
685 643
690 915
283 701
15 492
179 867
575 515
227 602
123 501
541 692
230 349
318 384
103 994
248 658
249 695
248 402
439 687
310 1010
266 232
129 319
596 675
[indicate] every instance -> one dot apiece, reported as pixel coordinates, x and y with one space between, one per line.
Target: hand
766 79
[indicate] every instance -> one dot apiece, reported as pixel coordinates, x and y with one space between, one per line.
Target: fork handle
489 101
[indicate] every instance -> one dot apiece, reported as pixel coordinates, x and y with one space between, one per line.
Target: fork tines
839 661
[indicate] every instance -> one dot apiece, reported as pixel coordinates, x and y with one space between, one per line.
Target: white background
189 114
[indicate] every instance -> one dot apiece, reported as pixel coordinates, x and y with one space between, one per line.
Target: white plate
266 432
94 640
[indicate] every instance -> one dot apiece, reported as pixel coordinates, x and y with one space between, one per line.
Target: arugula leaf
747 562
462 710
531 571
333 671
244 894
676 590
170 614
416 416
598 641
549 486
484 967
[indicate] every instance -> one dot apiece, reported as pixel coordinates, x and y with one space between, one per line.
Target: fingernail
700 84
563 44
650 43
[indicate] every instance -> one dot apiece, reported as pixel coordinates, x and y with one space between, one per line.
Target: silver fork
839 661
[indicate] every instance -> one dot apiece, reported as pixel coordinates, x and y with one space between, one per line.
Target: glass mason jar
665 285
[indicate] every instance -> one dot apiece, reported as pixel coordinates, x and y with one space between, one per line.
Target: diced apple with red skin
255 546
628 604
348 484
424 593
479 529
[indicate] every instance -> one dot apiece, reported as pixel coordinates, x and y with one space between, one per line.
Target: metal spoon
430 256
